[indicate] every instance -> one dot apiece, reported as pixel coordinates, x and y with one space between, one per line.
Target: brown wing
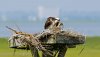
47 24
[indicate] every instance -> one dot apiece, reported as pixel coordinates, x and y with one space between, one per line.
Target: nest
63 37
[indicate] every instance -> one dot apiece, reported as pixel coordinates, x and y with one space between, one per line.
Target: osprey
53 24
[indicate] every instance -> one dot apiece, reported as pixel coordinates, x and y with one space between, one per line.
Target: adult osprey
52 24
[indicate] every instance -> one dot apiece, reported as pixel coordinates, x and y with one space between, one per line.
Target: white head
57 18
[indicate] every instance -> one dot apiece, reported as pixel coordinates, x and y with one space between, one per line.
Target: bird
53 24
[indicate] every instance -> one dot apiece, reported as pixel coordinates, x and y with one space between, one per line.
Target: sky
28 5
85 26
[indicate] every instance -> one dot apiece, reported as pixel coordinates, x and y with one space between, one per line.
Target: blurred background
30 15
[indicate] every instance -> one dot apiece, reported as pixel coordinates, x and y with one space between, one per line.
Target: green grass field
92 49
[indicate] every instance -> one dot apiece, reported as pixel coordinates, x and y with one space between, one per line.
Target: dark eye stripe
57 23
